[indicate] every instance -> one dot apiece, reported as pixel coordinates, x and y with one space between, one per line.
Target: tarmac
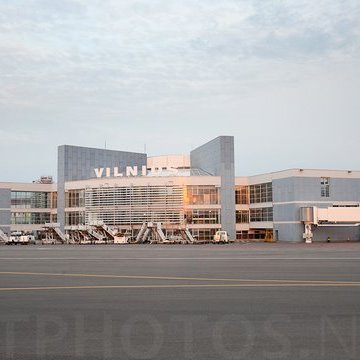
235 301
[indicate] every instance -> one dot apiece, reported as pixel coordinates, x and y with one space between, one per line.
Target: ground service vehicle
221 237
19 238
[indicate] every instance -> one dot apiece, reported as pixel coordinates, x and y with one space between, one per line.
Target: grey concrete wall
309 189
217 158
336 233
288 232
294 232
296 192
5 210
78 163
61 178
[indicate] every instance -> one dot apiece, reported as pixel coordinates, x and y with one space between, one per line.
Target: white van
221 237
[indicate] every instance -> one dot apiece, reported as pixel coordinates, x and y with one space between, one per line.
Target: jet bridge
330 216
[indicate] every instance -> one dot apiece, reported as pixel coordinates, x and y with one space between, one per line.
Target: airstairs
189 235
140 234
95 234
101 231
53 234
83 234
3 237
153 229
160 232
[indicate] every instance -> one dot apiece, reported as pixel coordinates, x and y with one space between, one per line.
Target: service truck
19 238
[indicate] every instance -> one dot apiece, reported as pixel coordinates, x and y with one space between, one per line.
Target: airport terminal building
199 192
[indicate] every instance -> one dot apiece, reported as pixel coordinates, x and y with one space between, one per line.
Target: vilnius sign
129 171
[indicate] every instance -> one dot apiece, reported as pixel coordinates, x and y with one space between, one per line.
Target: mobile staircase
53 234
101 231
150 228
140 234
4 239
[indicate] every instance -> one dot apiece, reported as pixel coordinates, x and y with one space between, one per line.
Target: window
31 199
74 198
261 193
345 205
202 195
203 234
74 218
325 187
241 195
242 235
251 235
261 214
202 216
242 216
29 218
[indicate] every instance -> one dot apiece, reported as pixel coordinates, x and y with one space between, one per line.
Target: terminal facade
124 190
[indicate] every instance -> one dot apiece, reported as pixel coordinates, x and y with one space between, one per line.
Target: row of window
33 199
261 193
75 218
254 215
252 234
30 218
202 195
253 194
203 234
261 214
194 195
203 216
141 196
134 216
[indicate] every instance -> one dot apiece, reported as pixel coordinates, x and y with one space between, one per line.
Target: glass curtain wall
261 193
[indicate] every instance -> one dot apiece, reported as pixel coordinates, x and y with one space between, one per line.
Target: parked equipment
3 237
19 238
53 234
221 237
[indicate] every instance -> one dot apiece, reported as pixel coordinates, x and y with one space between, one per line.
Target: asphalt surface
239 301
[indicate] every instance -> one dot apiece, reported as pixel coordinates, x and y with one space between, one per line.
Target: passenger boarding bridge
338 215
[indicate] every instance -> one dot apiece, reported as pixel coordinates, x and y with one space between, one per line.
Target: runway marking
225 258
143 277
91 287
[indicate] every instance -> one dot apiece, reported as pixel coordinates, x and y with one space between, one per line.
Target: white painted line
149 277
176 258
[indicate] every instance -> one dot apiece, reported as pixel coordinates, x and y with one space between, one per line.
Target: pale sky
283 77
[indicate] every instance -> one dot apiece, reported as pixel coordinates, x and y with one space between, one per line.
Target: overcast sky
283 77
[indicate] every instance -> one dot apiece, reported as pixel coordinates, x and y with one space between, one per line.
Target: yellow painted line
179 278
169 286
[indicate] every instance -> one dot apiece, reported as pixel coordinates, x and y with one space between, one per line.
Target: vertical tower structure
217 158
5 212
